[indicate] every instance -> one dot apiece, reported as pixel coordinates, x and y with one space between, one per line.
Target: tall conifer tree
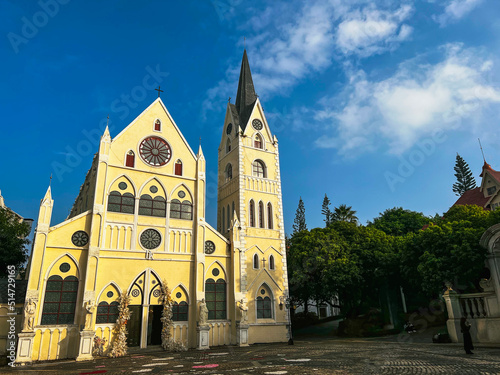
299 223
325 210
465 179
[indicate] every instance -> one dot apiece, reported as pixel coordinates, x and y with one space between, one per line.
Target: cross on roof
159 90
263 262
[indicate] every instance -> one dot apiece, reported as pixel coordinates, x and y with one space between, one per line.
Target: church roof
473 196
491 171
246 96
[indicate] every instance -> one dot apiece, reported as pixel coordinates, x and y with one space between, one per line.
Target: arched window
130 159
259 169
257 143
180 210
228 172
228 146
256 262
251 214
152 207
121 203
180 312
264 308
60 300
107 313
223 221
228 217
232 208
157 125
178 168
215 296
271 262
270 215
261 215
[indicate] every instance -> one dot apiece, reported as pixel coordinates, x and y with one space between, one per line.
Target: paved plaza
308 356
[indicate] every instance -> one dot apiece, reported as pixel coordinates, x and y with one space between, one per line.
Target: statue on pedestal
203 313
243 310
90 307
29 315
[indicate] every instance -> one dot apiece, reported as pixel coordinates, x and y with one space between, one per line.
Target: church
139 220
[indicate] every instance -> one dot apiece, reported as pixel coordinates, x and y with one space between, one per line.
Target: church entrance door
134 325
154 325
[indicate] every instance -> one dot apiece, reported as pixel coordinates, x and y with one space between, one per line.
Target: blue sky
370 100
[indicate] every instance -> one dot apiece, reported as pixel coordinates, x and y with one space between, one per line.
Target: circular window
64 267
178 295
153 281
229 128
209 247
257 124
155 151
156 293
135 293
110 294
181 194
150 239
140 281
262 291
122 185
153 189
80 238
215 272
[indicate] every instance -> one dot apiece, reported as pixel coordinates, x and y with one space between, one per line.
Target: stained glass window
107 313
264 310
60 300
180 312
180 210
258 169
215 296
257 142
152 207
121 203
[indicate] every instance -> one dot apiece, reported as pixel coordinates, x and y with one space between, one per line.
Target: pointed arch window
232 208
261 215
229 172
130 159
259 169
178 168
270 215
107 313
223 223
256 262
228 146
215 296
257 143
228 217
60 300
157 125
181 210
271 262
152 207
121 203
251 214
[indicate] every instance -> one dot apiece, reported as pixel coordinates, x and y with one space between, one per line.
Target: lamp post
287 302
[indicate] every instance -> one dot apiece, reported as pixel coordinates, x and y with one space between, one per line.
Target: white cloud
418 99
455 10
370 31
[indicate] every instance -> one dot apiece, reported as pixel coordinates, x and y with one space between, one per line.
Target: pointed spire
47 197
246 96
486 166
2 202
200 152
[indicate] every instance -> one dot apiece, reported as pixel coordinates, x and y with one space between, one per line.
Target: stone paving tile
311 356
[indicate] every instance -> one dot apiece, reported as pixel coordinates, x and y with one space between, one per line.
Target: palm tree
344 213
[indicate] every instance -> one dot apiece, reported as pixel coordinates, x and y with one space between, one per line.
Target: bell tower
249 191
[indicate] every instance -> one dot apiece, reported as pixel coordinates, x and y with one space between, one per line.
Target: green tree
344 213
13 233
398 221
299 223
325 210
465 179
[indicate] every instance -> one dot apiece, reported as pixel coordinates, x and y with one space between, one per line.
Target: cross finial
50 181
229 100
481 147
263 262
200 141
107 122
244 42
159 90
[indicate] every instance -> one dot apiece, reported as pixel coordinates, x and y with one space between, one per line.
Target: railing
105 331
220 333
180 333
473 307
55 343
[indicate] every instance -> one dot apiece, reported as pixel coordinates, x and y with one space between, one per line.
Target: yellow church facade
139 219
